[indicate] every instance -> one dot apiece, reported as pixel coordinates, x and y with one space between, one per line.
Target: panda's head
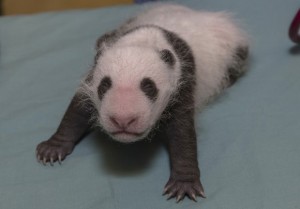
130 88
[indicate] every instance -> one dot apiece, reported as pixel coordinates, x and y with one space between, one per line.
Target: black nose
123 122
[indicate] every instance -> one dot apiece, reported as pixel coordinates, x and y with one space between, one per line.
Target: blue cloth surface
248 140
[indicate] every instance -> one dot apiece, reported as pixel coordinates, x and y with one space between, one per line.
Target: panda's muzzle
123 123
125 126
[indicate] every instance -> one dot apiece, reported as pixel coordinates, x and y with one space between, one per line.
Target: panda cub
157 68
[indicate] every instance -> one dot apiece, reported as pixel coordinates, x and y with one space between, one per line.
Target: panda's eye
105 85
149 88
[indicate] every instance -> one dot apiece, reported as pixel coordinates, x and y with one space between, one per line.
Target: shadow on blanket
126 159
294 50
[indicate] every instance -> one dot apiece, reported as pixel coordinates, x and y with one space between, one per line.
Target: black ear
107 38
167 56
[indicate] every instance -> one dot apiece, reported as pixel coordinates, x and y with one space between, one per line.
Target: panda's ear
168 57
107 39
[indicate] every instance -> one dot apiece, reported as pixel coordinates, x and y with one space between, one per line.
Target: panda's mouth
123 132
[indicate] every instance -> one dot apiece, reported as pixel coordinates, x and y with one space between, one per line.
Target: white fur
125 98
213 38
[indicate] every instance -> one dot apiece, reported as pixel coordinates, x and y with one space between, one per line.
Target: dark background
0 7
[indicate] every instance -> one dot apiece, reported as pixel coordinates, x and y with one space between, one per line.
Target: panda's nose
123 122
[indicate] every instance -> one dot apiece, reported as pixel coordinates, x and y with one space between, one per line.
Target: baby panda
158 68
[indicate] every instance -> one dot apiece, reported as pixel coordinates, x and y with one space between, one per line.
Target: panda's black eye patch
167 56
105 85
149 88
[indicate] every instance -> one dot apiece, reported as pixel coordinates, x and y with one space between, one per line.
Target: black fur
167 57
108 39
75 123
180 128
239 58
104 86
148 86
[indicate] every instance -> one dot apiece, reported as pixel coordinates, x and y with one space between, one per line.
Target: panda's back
212 36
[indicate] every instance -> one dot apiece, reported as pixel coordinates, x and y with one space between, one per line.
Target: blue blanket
249 139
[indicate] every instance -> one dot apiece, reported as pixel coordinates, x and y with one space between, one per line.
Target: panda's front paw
53 150
178 189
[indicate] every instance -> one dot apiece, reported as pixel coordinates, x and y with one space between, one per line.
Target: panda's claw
44 161
54 150
51 161
199 190
179 198
38 158
180 189
193 197
171 195
59 159
166 189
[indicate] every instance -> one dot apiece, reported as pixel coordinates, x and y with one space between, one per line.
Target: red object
295 29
